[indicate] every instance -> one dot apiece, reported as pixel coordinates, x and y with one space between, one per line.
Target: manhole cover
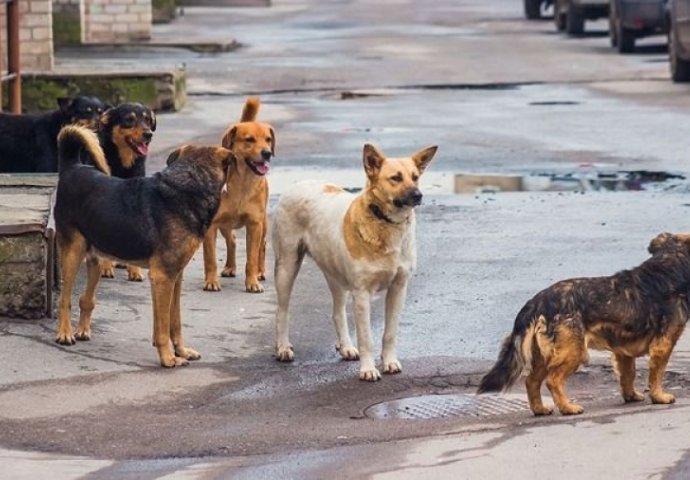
442 406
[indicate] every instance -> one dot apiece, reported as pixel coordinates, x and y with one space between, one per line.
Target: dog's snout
148 135
415 197
266 154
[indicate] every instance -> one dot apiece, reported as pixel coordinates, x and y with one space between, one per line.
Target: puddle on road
448 183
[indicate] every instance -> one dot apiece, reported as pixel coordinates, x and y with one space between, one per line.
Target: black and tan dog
155 222
125 133
635 312
28 143
245 202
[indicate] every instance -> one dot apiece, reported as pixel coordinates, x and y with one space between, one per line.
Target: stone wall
114 21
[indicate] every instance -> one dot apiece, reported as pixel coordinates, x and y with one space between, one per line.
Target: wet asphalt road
497 94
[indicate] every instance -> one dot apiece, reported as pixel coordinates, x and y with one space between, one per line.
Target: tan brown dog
153 222
244 204
642 311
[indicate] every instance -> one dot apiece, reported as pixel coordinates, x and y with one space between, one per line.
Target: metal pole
13 62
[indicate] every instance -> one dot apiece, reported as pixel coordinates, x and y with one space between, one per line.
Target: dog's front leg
71 253
659 353
176 326
367 368
254 239
211 282
395 299
162 288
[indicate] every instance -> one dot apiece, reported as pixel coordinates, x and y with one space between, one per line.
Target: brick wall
36 34
108 21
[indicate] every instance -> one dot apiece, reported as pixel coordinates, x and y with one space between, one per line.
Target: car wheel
532 9
626 39
558 15
574 21
680 69
613 34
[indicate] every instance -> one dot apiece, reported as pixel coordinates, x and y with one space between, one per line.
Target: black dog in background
28 143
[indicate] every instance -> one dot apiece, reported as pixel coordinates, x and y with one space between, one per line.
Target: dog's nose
415 197
148 135
266 154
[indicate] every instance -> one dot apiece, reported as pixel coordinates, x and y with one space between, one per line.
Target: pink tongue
143 149
262 168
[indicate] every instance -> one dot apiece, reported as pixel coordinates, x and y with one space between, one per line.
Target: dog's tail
516 352
250 110
72 141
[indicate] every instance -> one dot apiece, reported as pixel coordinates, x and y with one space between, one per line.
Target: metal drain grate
442 406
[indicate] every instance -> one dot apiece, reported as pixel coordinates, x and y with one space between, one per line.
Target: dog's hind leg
288 261
176 325
87 302
395 300
533 383
255 238
134 274
230 269
569 352
162 289
659 353
624 366
367 368
344 346
262 249
71 252
211 283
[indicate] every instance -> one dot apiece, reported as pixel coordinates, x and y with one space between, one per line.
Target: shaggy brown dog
635 312
153 222
244 204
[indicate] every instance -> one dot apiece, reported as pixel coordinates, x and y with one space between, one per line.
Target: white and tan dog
363 244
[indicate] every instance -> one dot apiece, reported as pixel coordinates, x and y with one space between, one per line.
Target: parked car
633 19
534 8
570 15
679 40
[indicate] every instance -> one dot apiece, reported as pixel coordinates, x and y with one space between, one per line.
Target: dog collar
378 213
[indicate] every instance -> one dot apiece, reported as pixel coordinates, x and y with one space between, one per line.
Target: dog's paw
392 366
134 274
348 353
212 286
635 397
254 287
369 374
171 361
542 411
65 338
571 409
662 398
228 272
285 353
107 272
83 335
187 353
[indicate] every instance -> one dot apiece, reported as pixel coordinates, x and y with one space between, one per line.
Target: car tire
626 39
574 21
532 9
680 69
558 15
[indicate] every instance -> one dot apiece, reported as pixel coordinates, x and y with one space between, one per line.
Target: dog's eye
249 140
99 110
396 178
89 110
415 178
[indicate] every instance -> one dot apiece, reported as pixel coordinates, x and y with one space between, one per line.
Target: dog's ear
229 137
423 157
153 119
64 104
372 159
661 241
106 118
273 141
175 155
